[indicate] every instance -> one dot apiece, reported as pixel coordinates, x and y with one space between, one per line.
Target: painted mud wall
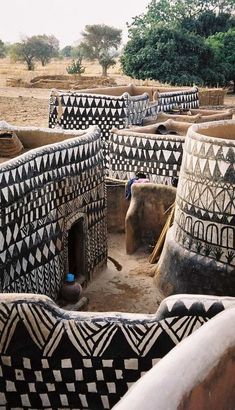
158 157
43 193
87 360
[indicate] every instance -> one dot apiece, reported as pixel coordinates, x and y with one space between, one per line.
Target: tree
174 12
31 49
24 52
101 42
171 56
76 66
168 42
45 47
2 49
222 45
209 23
66 51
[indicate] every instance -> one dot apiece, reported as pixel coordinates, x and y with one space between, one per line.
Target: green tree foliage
223 46
66 51
46 47
2 49
101 42
36 48
170 55
209 23
168 42
23 51
174 12
76 66
73 52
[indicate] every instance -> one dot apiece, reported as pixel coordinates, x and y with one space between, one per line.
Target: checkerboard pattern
159 157
56 359
92 383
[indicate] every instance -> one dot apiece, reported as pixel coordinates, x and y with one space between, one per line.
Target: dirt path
122 290
24 106
111 290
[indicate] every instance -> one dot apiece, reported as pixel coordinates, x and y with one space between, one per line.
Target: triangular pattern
205 221
159 156
39 192
98 356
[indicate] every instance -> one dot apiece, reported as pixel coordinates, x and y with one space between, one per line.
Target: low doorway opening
76 249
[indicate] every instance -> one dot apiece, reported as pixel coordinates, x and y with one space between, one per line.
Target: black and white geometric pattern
74 110
159 157
40 192
186 99
56 359
205 214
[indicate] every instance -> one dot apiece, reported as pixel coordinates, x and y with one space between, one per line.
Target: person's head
140 175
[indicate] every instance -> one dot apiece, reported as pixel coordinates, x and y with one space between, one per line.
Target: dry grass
9 69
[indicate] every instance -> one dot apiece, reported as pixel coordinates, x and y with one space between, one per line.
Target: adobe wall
117 205
198 255
159 157
147 214
43 193
54 358
197 374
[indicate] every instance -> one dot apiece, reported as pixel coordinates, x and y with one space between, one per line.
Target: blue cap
70 277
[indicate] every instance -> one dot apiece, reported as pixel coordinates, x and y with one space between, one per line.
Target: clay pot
199 251
71 289
10 145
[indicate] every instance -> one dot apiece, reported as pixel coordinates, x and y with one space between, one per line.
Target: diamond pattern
49 360
64 179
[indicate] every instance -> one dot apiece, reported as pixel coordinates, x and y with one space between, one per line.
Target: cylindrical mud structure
199 251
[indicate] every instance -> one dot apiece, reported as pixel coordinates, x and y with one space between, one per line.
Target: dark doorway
76 249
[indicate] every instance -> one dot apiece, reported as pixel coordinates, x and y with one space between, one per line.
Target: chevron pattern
54 359
186 99
40 191
157 156
72 110
205 217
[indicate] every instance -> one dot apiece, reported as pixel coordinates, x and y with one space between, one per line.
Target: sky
65 19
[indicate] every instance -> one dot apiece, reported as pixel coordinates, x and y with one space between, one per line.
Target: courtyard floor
124 285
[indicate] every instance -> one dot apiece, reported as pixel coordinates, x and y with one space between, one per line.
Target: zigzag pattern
205 219
210 160
187 99
93 337
81 361
211 201
39 191
158 157
79 111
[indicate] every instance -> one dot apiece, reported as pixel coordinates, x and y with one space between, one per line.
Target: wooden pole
155 255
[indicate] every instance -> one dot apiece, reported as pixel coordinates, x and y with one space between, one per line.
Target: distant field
9 69
29 106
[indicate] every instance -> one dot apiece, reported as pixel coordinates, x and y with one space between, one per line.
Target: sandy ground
24 106
123 290
111 289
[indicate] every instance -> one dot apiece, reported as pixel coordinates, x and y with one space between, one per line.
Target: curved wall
199 253
43 193
157 156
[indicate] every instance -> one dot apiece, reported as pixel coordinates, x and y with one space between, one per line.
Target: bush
76 67
169 55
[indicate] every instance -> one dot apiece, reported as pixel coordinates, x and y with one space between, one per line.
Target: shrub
76 67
